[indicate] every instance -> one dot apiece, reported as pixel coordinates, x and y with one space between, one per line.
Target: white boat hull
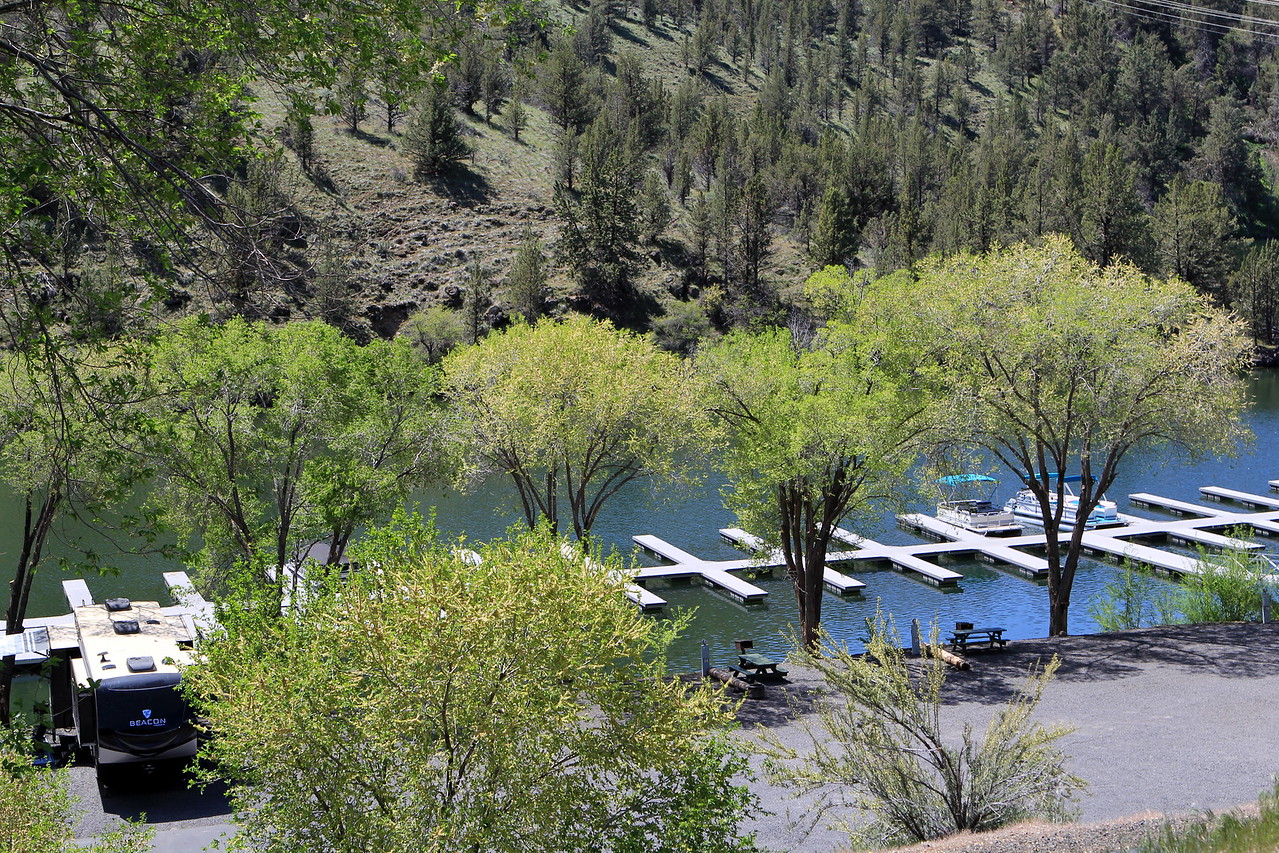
979 517
1025 505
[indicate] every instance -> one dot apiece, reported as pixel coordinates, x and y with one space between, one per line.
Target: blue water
690 520
987 595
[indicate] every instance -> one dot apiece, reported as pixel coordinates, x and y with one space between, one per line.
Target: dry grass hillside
410 242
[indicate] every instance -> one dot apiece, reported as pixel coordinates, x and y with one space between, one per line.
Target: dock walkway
1245 498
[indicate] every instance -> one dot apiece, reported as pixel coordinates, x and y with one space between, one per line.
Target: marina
1117 543
1002 583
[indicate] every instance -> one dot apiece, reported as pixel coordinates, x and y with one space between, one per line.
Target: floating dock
1245 498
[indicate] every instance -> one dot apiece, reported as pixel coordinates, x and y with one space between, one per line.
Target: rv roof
106 653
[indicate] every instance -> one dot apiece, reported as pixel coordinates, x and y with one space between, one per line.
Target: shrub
1135 599
1228 586
435 331
1227 589
1227 833
881 748
34 803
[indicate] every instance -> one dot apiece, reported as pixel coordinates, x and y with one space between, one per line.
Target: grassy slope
409 240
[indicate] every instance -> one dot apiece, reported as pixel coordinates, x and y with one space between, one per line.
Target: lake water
987 595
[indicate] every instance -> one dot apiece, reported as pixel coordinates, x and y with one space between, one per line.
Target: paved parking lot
1166 719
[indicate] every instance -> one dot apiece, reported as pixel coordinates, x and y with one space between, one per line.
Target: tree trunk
34 533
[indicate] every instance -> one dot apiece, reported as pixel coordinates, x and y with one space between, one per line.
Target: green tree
516 114
269 439
879 741
601 220
433 139
1192 229
477 300
352 97
574 411
1254 290
435 331
565 93
65 452
1058 365
35 802
1112 222
526 279
818 429
433 705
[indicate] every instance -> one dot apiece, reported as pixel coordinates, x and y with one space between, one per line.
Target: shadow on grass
462 185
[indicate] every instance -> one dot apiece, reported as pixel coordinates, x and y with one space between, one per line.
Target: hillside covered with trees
674 165
685 165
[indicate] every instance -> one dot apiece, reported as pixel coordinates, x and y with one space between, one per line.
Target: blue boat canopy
956 479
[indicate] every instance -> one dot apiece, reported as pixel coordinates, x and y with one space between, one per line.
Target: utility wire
1182 18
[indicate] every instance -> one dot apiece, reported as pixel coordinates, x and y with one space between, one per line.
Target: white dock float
834 580
665 550
985 548
687 565
1186 535
1143 554
1179 507
905 562
77 593
1245 498
742 539
195 612
742 590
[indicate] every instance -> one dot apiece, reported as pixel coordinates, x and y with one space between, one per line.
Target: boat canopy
957 479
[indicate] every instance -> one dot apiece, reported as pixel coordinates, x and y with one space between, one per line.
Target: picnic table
752 665
962 638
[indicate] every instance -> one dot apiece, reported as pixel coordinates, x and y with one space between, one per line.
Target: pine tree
526 280
434 138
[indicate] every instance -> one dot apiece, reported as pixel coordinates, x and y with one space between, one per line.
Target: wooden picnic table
760 665
993 636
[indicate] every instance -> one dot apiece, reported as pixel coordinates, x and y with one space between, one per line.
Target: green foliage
477 299
1054 364
1254 291
433 139
1136 598
35 802
573 411
352 96
1227 588
435 331
526 279
1193 227
1232 832
819 428
69 448
434 704
682 328
270 438
601 219
880 744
